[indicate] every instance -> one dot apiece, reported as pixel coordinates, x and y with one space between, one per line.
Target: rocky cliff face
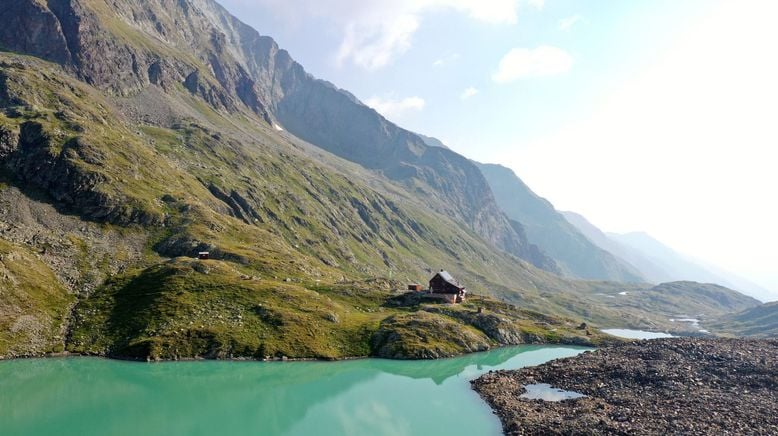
335 120
126 46
31 27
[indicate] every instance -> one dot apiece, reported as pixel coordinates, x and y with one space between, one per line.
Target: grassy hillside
278 209
760 322
279 214
33 304
653 308
190 308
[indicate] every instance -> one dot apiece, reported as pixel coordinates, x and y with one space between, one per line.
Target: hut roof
449 278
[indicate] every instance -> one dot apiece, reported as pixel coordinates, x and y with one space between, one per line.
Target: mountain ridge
549 230
659 262
230 65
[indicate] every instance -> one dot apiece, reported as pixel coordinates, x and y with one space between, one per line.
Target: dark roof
448 278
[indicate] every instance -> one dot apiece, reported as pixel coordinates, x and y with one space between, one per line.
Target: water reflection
83 396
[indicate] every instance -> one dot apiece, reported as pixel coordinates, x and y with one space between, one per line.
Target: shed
203 255
414 287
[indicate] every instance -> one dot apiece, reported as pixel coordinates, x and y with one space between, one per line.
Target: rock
633 388
9 141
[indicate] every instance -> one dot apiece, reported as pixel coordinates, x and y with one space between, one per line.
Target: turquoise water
90 396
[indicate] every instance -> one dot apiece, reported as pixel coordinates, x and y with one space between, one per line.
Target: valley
175 186
112 181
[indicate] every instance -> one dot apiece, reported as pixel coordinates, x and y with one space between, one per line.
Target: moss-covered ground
188 308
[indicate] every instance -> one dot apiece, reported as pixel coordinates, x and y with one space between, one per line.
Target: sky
643 115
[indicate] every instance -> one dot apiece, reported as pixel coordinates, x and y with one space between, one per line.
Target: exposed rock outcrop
40 161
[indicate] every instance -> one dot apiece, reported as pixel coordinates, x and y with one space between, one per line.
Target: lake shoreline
677 385
66 354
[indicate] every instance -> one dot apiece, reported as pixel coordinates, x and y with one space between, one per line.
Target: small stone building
446 287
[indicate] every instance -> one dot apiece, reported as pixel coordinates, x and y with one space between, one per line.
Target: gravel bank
671 386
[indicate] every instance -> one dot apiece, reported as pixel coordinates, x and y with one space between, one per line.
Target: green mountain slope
760 322
126 47
549 230
34 305
173 191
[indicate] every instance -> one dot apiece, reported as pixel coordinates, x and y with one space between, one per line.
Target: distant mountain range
576 255
659 263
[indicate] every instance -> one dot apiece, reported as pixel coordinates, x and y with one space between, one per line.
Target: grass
760 321
33 304
187 308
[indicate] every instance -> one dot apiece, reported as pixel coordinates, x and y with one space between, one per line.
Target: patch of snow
277 127
694 322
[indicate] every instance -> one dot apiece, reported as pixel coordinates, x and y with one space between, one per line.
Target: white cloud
375 32
565 24
374 48
537 4
469 92
380 34
394 108
524 63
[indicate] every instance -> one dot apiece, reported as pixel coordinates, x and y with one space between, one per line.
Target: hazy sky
652 115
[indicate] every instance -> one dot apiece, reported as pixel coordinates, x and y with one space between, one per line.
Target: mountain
648 268
551 232
761 321
136 134
433 142
660 263
228 64
680 267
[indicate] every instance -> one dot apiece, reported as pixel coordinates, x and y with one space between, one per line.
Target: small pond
546 392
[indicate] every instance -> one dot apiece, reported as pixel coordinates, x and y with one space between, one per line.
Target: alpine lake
93 396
